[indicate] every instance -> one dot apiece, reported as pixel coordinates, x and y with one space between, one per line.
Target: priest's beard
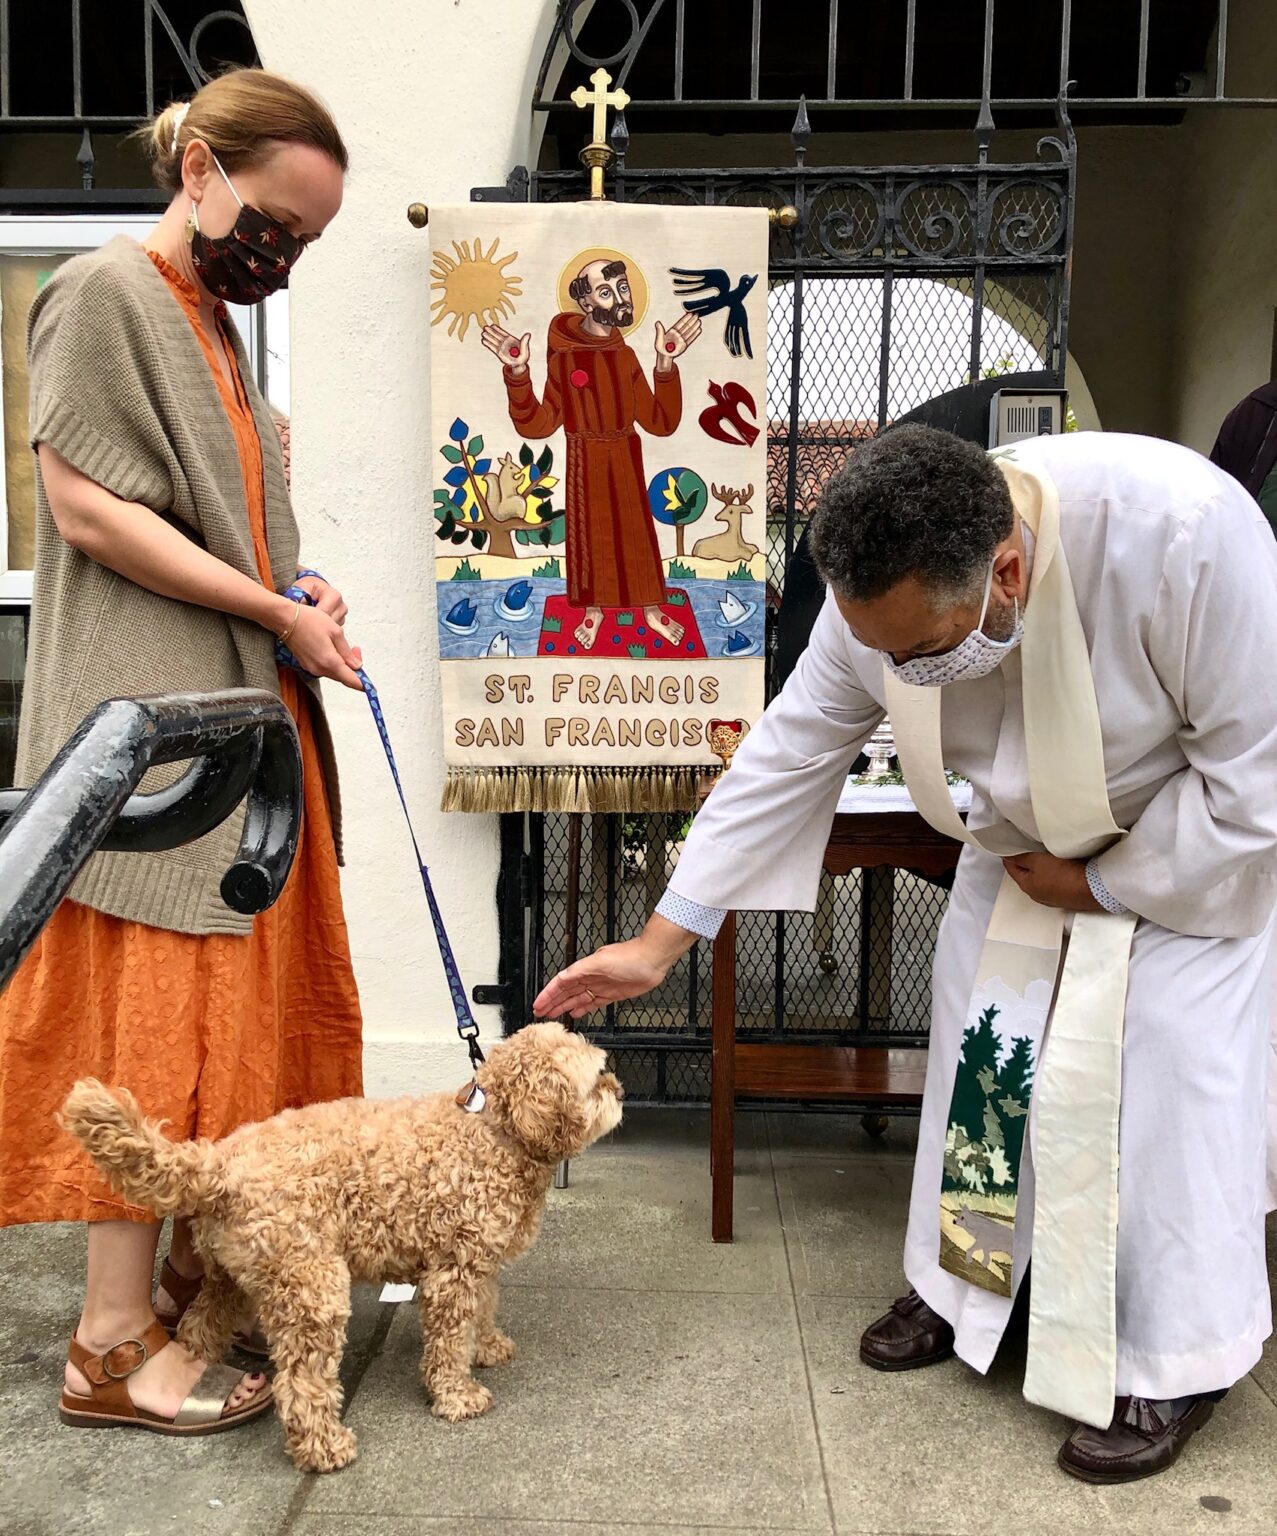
1000 621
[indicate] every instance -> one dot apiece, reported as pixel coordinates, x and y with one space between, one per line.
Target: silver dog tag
472 1099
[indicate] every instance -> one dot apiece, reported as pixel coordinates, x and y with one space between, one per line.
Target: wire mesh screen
857 971
894 288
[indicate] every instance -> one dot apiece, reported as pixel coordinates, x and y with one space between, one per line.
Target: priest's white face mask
972 658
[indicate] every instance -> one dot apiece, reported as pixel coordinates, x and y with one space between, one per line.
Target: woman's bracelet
286 636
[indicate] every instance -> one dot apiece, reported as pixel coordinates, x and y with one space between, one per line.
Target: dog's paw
496 1349
325 1450
465 1401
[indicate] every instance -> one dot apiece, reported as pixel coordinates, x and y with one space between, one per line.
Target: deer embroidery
728 546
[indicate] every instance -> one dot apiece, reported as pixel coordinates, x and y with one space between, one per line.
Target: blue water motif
462 618
515 605
704 597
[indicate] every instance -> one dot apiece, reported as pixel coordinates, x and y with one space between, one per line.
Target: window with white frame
31 250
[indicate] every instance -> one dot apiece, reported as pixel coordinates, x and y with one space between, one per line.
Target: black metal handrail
242 743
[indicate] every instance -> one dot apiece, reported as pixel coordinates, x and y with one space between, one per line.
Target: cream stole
1076 1070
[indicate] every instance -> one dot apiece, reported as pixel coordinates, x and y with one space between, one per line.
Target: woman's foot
179 1281
162 1385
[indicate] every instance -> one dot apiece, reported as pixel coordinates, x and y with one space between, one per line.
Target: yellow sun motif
475 286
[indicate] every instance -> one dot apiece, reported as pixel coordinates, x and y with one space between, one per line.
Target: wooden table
869 1077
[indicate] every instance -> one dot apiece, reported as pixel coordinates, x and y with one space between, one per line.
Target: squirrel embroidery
505 504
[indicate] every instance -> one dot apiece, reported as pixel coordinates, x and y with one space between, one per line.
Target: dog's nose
620 1094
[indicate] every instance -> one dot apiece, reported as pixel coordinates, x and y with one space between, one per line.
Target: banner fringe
579 791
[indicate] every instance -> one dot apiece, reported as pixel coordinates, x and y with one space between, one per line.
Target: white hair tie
179 117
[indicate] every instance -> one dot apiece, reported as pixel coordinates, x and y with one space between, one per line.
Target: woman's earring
192 224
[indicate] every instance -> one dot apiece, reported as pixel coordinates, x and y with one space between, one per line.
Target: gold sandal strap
206 1402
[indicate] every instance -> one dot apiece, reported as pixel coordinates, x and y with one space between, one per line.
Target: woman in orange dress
210 1029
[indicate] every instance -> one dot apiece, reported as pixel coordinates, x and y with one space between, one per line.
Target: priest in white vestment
928 548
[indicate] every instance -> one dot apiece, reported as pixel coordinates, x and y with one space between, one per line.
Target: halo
638 283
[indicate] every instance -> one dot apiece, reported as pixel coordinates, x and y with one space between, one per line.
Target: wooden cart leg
722 1092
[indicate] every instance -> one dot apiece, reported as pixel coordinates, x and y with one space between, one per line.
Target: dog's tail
167 1177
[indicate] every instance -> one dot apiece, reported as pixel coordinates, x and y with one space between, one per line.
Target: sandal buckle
136 1366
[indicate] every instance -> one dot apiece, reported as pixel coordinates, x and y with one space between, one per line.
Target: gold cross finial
600 98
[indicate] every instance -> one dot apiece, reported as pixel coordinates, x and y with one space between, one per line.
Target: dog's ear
537 1101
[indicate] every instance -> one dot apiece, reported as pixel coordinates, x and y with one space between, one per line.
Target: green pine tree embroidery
980 1051
1014 1090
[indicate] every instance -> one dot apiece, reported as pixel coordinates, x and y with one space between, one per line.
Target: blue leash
467 1028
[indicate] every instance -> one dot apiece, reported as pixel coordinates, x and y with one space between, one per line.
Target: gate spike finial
86 158
800 133
620 136
984 127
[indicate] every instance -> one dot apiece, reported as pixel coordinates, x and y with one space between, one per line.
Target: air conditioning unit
1015 414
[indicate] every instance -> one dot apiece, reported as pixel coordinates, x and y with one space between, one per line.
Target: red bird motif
722 420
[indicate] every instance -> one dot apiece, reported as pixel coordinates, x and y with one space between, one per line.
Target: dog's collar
471 1098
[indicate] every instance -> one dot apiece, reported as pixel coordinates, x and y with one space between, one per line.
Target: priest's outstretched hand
615 972
1052 882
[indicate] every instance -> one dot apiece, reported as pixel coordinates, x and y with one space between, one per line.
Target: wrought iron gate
894 284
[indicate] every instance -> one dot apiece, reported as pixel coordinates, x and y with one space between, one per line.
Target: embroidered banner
599 411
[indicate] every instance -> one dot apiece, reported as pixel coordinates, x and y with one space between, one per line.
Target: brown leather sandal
183 1291
109 1405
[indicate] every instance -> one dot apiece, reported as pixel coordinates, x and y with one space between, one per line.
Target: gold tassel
572 791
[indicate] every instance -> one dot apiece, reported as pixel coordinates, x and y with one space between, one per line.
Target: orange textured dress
209 1032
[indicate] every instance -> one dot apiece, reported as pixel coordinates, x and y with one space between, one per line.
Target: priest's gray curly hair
912 502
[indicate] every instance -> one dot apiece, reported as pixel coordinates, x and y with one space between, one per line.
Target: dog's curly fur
287 1213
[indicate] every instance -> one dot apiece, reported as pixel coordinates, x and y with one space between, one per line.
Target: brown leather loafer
1144 1438
907 1337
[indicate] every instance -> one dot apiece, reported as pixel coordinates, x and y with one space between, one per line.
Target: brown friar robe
598 393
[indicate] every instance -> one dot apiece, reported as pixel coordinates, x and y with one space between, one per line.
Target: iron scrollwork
565 32
842 232
936 233
1027 231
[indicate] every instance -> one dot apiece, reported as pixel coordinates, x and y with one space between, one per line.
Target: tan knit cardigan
121 389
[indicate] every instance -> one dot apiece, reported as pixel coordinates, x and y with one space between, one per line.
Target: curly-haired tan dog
287 1213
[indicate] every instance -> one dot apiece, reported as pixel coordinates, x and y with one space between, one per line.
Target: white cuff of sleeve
1101 892
676 909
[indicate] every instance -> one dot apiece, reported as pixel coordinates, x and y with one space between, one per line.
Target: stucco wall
432 99
1225 240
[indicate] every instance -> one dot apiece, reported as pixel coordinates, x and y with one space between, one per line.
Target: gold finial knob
724 738
418 215
786 217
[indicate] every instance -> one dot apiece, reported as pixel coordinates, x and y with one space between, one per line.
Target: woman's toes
248 1388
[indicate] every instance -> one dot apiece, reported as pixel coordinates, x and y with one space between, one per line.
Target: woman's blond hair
241 115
